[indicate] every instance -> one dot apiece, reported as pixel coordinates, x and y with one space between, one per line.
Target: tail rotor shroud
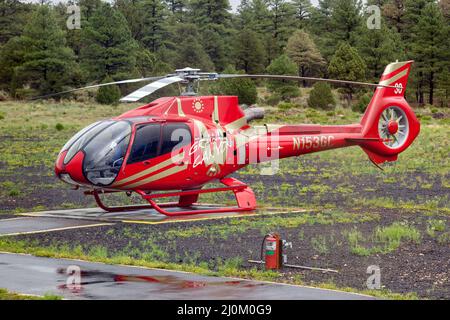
393 127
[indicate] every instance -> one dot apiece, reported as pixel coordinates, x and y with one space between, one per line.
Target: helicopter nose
71 172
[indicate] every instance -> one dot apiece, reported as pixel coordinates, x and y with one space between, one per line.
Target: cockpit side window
146 143
175 136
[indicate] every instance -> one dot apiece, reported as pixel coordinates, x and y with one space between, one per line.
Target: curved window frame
78 135
70 155
83 149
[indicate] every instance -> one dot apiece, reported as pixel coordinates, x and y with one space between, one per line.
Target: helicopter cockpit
105 144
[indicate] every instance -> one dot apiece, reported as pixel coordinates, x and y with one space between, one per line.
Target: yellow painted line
57 229
242 215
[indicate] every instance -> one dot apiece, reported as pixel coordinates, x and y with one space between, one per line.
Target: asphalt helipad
29 225
39 276
149 216
58 220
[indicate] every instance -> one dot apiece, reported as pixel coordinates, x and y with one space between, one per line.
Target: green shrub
108 94
321 97
59 126
283 66
2 116
245 89
273 100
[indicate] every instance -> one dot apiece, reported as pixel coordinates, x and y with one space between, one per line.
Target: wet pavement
27 225
39 276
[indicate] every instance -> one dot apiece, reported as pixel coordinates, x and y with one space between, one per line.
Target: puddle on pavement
165 283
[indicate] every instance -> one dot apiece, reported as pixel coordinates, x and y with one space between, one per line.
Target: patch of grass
392 236
355 237
229 268
382 294
269 223
384 239
444 238
319 244
434 226
10 188
7 295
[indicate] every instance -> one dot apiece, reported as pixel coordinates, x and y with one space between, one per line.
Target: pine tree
13 14
206 12
255 16
249 52
46 65
321 27
11 55
413 13
133 13
428 47
109 49
245 14
283 66
88 8
347 64
188 52
346 20
154 27
378 48
260 16
303 10
212 17
394 12
177 9
282 24
302 50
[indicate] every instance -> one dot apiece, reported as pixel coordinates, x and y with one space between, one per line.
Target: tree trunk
303 72
431 83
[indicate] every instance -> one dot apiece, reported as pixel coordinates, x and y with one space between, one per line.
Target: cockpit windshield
105 153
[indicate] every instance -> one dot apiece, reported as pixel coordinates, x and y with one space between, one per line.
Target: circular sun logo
198 106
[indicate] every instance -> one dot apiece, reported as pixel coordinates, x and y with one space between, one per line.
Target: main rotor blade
97 86
150 88
281 77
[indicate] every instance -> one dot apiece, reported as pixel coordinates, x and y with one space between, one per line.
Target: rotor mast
191 77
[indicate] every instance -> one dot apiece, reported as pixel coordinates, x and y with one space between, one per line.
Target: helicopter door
152 147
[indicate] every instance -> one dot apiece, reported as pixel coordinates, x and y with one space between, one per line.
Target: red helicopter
177 145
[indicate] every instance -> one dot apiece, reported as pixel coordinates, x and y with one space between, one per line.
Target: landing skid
245 199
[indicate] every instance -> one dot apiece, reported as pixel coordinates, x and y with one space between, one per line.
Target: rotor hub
392 127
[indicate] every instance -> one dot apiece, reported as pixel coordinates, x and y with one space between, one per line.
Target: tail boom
388 127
